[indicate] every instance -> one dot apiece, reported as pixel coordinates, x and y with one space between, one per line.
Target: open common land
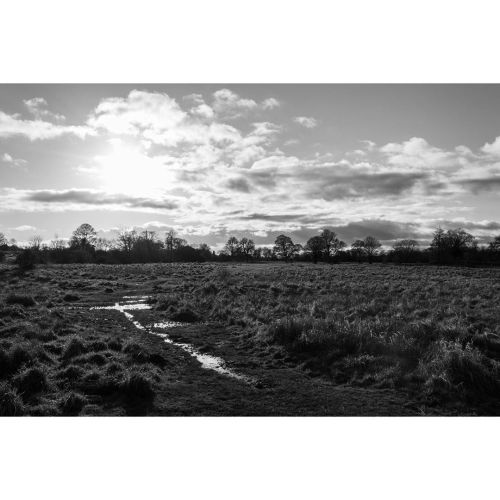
249 339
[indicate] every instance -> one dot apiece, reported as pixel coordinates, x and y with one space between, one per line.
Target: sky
211 161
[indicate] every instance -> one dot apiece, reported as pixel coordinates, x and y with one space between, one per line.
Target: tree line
454 246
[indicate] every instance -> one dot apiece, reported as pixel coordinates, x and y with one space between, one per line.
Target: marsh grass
433 332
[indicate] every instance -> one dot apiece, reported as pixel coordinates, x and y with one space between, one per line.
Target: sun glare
127 170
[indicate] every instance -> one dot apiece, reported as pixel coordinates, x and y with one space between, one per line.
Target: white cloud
14 125
16 162
38 107
418 153
229 105
270 103
306 121
492 148
24 228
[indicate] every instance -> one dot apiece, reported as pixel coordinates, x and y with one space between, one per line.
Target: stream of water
207 361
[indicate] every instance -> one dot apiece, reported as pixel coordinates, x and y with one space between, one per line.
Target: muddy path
213 369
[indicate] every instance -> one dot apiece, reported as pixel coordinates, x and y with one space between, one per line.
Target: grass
431 332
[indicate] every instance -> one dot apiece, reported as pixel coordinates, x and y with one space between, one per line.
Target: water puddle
207 361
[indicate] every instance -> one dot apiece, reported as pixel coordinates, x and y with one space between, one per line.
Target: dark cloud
273 217
97 198
484 184
332 187
469 225
239 184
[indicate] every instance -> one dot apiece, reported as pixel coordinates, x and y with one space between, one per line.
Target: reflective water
209 362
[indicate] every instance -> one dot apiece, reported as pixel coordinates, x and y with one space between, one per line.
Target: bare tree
35 242
495 244
405 249
284 247
3 240
103 244
328 237
57 243
84 236
358 249
246 247
126 240
371 246
232 246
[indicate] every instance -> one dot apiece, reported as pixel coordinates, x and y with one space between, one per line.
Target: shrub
451 369
26 260
72 404
137 389
73 348
11 404
286 331
23 300
31 381
185 315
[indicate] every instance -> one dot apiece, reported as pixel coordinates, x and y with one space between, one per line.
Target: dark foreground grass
432 333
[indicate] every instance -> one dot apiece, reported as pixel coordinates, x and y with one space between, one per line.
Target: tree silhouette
371 246
315 246
232 246
495 244
246 247
284 247
84 237
358 249
405 249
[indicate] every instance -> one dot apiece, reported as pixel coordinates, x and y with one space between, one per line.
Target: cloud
24 228
305 121
38 107
14 125
239 184
477 186
74 199
229 105
16 162
270 103
138 112
492 148
418 153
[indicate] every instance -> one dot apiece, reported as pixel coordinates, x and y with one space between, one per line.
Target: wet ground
213 371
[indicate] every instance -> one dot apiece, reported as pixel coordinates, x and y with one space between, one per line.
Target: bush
451 369
138 390
11 404
72 404
23 300
26 260
185 315
31 381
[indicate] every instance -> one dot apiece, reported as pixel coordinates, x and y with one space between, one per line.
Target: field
249 339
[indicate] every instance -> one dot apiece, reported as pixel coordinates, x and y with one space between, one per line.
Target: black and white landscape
249 250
